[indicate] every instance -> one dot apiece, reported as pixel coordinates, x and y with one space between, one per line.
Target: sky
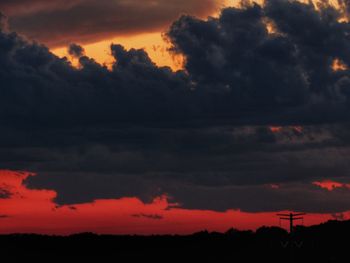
164 116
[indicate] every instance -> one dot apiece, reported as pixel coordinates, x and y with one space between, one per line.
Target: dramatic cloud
255 119
58 22
288 72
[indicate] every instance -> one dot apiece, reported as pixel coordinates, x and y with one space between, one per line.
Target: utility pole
291 218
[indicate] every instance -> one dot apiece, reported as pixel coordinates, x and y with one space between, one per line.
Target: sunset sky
172 116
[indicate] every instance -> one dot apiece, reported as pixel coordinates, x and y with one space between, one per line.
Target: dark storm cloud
237 74
289 71
40 88
201 136
60 22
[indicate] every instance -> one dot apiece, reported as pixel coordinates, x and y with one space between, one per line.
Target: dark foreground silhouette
328 242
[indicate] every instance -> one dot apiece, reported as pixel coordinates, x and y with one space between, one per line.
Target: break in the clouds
251 123
58 22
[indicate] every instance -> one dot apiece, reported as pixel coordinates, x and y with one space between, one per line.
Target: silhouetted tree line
328 242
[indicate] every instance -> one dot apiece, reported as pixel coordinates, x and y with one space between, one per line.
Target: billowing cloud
287 72
60 22
251 109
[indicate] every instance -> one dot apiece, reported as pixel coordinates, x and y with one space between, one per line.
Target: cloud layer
202 136
60 22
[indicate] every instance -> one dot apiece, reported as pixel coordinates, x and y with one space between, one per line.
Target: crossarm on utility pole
291 218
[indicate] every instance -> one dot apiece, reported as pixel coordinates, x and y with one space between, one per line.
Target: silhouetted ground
327 242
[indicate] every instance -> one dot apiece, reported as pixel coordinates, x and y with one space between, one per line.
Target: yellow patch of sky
152 43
